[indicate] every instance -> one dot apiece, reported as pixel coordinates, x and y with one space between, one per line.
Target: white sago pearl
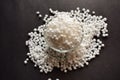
49 79
37 12
25 62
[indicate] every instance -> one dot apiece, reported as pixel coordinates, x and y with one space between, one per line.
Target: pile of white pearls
89 25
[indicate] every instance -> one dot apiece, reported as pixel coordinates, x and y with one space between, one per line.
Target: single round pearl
57 79
37 12
25 62
93 12
49 79
40 15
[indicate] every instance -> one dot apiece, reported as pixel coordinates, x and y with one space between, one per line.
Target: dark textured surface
17 18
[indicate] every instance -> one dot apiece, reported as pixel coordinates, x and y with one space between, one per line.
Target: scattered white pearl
101 16
35 29
102 45
78 8
83 9
49 79
57 79
50 10
106 35
25 62
87 63
93 12
37 12
88 10
28 54
105 19
27 59
65 71
41 70
35 65
40 16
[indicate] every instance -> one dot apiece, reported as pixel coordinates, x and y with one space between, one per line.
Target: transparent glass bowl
54 44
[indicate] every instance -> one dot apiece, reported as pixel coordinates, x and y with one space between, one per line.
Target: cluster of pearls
46 58
63 33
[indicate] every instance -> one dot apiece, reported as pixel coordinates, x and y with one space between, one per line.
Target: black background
17 18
